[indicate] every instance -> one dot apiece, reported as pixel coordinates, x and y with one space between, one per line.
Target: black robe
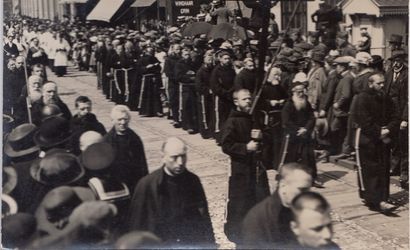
187 93
267 224
173 90
222 85
177 214
300 148
205 101
37 108
130 163
370 112
150 96
270 119
243 192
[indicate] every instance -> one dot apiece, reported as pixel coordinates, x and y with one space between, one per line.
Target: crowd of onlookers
68 181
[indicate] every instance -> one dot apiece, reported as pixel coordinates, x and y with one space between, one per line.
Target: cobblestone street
355 226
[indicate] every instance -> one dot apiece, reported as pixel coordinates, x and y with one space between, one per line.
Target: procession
238 126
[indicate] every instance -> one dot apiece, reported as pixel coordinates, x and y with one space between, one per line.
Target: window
300 20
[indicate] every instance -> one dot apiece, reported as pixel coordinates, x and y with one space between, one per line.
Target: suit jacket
398 90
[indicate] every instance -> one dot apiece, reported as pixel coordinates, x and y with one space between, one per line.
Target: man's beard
50 100
35 95
300 102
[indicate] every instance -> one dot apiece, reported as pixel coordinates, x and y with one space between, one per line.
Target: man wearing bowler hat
397 88
54 132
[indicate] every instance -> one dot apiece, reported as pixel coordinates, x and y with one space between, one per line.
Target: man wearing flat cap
340 104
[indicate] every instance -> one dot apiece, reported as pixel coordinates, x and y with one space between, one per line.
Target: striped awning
143 3
393 11
71 1
105 10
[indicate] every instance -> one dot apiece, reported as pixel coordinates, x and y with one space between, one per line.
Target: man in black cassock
205 98
244 178
222 85
130 162
185 76
298 122
171 202
150 99
377 120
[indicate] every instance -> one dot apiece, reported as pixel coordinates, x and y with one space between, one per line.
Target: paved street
355 226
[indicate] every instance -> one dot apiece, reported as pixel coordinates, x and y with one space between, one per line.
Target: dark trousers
301 151
374 161
337 134
173 91
400 155
189 111
205 108
272 141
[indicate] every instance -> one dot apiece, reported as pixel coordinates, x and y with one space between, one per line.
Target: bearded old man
298 122
50 96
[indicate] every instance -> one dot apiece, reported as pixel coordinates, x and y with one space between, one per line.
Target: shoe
318 184
191 131
404 185
341 156
160 114
177 125
386 207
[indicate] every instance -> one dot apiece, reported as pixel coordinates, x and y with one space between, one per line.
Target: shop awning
72 1
105 10
143 3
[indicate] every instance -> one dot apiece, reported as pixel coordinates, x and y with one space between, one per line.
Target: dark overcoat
192 226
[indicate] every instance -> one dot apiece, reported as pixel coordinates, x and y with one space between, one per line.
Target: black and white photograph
205 124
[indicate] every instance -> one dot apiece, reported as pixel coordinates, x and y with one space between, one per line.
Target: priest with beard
298 122
49 96
30 93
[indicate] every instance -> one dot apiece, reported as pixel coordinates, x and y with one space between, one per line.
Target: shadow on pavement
329 175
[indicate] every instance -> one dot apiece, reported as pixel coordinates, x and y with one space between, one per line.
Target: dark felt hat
20 141
98 156
53 131
59 203
17 230
395 38
57 168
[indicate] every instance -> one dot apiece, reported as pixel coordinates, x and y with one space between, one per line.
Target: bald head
88 138
174 159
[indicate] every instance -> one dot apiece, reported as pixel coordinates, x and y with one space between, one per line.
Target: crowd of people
68 181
